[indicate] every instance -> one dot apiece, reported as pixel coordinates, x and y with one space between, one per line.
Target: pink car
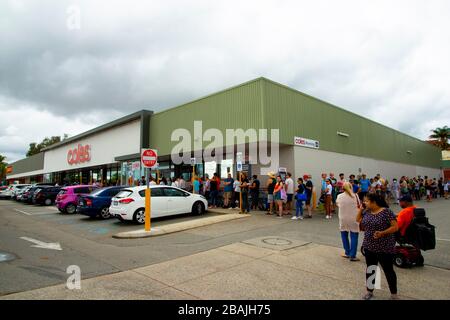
67 198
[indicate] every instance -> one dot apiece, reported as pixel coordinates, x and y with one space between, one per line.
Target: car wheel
198 208
104 213
71 208
48 202
139 216
420 261
400 261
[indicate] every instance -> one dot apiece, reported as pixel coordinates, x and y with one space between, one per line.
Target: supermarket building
313 137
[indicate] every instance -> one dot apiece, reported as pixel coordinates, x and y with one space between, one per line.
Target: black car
27 197
45 195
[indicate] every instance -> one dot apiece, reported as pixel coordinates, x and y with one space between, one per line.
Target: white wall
315 162
105 146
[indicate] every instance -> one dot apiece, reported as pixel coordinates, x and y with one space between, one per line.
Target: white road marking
43 245
41 213
35 213
27 213
443 239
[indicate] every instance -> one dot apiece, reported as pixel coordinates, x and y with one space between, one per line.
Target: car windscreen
63 191
85 190
124 193
97 192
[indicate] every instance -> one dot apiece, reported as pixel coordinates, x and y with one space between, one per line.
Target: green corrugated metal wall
239 107
262 103
304 116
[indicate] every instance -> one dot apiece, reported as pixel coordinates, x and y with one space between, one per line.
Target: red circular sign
149 158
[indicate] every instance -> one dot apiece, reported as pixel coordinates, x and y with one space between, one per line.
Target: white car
20 192
129 204
11 191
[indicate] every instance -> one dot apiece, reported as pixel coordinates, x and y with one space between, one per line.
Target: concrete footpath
180 226
260 268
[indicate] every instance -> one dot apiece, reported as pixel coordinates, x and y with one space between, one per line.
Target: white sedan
129 203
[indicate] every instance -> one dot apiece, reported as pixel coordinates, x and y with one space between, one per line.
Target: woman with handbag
279 196
348 203
299 197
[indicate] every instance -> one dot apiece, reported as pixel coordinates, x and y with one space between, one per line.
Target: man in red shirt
405 216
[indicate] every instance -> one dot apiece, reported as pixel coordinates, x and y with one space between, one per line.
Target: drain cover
6 257
275 243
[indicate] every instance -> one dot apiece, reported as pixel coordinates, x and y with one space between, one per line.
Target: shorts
308 199
227 195
290 197
277 196
270 198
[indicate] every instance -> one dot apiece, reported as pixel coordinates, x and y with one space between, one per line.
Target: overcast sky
386 60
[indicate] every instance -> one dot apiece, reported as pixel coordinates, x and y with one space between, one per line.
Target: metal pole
240 193
192 180
147 203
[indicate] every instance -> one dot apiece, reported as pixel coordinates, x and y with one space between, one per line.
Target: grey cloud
133 55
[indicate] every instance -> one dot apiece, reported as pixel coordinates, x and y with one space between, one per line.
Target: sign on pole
239 161
149 159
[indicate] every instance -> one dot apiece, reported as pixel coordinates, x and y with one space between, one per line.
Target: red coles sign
79 155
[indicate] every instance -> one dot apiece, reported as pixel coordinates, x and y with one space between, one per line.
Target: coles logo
300 141
80 154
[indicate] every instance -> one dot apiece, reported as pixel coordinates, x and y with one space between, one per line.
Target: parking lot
88 243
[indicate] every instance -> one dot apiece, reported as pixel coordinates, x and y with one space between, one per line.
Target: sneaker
368 296
301 218
327 217
230 208
294 218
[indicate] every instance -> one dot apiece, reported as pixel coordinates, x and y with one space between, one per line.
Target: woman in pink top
349 205
278 196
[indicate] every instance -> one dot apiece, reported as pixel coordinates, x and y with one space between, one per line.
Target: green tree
3 166
440 137
35 148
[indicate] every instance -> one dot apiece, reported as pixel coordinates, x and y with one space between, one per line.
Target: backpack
420 232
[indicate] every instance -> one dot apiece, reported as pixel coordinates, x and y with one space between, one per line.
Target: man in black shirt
244 191
309 190
271 181
254 192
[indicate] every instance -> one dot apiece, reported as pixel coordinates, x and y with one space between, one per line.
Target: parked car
27 196
98 202
67 198
45 195
129 204
20 193
10 192
3 188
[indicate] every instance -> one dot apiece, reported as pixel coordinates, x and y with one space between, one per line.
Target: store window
210 168
225 168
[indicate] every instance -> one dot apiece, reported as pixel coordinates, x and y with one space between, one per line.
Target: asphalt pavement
26 232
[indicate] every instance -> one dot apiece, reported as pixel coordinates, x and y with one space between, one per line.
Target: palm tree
441 136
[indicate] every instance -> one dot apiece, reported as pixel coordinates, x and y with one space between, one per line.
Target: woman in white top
328 198
446 189
349 205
